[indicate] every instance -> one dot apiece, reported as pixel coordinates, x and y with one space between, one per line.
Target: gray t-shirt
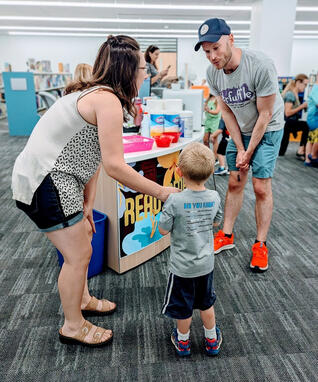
189 216
254 77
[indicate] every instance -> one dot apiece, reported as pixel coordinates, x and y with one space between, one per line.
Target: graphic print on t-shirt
237 97
198 217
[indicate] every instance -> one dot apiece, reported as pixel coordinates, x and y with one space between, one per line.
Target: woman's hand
166 191
163 73
88 214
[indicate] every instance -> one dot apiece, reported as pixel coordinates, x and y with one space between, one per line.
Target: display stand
133 235
21 102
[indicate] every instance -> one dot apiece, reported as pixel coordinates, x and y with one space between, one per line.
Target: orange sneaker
222 242
259 259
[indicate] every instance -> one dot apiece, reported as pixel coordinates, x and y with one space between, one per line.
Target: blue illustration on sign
145 232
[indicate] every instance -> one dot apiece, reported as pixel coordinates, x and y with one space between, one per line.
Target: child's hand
162 231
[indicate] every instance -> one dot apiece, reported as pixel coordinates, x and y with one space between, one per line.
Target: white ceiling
137 18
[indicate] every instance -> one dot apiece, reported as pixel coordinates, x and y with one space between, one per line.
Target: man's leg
233 203
263 215
234 199
263 206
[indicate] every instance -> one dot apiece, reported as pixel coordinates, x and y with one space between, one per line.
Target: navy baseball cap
211 31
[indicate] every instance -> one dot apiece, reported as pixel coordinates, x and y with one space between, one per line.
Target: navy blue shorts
45 209
185 294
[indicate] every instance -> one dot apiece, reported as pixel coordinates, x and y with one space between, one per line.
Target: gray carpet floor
269 321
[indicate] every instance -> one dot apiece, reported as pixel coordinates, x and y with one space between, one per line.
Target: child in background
83 72
212 120
222 170
189 217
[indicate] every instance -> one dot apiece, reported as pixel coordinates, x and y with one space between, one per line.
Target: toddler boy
189 217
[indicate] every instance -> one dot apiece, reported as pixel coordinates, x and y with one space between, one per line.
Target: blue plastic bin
96 264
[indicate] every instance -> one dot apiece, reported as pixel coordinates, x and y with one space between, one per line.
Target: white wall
304 57
17 49
197 62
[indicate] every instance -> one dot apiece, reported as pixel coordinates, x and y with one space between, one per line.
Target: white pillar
272 27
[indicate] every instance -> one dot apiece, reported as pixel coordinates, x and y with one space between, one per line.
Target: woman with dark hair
292 109
151 56
54 177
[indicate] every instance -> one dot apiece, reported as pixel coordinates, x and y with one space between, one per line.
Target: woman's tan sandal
79 338
91 308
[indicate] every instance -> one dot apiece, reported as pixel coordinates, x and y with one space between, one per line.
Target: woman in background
292 110
151 56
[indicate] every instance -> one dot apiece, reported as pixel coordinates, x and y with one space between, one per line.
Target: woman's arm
159 76
289 111
155 78
109 115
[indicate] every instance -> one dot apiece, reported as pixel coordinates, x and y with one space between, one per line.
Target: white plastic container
171 122
145 125
156 123
155 106
173 105
186 123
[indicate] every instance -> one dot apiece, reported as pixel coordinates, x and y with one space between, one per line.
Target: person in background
54 178
212 119
222 170
245 84
312 121
190 216
292 110
151 56
168 81
83 72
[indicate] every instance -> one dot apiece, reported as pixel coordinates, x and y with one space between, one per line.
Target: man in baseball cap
211 31
245 84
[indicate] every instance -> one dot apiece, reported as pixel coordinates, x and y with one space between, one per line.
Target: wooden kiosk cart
133 235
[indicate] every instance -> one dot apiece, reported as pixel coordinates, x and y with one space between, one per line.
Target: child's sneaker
220 171
259 261
222 242
182 347
212 347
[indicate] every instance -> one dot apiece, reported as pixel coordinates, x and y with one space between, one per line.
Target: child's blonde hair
196 162
83 72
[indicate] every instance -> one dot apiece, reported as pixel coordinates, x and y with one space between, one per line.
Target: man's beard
227 57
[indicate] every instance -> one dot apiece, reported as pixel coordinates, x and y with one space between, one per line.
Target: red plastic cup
173 134
163 140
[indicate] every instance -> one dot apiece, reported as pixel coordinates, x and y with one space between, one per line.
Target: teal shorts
264 158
